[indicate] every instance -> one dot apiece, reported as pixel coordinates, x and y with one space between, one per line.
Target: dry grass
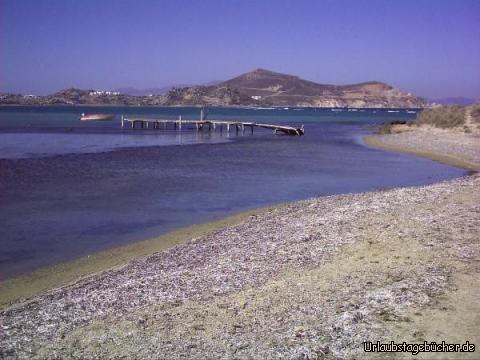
475 112
443 117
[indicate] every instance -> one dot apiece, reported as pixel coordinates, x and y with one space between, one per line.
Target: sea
70 188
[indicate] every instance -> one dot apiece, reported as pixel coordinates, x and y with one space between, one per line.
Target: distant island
259 88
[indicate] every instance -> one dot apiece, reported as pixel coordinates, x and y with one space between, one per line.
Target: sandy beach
310 279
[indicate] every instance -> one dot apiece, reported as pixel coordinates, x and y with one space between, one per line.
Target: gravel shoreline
450 146
311 279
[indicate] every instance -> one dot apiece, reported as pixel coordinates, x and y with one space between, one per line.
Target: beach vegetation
385 128
475 111
388 127
443 117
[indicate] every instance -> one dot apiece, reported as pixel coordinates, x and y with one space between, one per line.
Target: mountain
271 88
256 88
262 87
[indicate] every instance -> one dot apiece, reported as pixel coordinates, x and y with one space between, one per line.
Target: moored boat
96 117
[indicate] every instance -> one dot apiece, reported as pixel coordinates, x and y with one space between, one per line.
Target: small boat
96 117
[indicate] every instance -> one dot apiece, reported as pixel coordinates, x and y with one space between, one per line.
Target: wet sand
312 278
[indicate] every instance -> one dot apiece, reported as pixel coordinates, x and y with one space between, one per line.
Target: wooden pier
201 125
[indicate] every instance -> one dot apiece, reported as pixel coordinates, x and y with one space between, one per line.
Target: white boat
96 117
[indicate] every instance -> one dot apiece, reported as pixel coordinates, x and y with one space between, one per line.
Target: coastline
406 276
376 141
26 286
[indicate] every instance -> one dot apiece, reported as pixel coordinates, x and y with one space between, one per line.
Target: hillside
280 89
256 88
74 96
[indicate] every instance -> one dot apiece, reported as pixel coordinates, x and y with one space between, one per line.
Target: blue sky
428 47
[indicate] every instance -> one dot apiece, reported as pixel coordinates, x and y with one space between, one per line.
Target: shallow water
68 189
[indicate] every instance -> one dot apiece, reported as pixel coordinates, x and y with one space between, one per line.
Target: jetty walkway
200 125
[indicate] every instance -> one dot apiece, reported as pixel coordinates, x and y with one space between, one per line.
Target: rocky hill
256 88
277 89
208 95
74 96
